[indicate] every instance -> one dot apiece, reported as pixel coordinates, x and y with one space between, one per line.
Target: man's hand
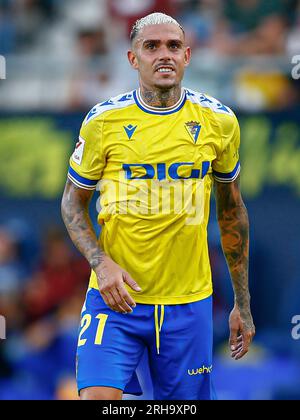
111 278
242 331
234 227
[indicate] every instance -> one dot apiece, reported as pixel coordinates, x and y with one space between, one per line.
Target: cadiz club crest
193 128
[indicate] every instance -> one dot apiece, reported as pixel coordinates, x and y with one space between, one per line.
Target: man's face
160 56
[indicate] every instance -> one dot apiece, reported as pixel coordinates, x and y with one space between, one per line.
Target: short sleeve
87 160
226 167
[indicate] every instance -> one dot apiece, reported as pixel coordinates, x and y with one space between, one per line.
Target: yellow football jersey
154 168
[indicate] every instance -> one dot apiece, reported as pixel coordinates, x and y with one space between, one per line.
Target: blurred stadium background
62 57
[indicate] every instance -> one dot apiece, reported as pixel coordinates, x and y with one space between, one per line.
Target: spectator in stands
199 19
7 30
293 37
92 43
91 81
127 12
46 348
41 341
59 275
12 271
30 19
252 27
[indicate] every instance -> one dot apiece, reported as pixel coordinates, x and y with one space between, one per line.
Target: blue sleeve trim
80 181
228 177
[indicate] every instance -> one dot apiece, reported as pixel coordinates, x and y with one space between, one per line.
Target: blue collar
159 111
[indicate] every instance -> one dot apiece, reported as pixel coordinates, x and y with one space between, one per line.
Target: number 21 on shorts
86 322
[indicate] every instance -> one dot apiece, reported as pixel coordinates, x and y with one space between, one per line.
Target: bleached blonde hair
152 19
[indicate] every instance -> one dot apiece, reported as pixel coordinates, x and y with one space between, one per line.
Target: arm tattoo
234 227
74 209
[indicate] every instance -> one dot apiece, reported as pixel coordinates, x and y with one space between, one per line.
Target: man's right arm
75 213
110 276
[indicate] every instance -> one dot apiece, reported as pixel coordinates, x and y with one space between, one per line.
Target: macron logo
130 129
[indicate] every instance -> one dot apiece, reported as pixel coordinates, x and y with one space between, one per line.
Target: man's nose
164 53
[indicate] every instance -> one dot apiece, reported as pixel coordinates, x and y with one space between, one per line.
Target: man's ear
132 59
187 56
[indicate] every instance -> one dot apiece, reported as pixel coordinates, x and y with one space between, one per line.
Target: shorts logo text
200 371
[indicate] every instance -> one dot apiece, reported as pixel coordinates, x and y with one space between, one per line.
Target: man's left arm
234 228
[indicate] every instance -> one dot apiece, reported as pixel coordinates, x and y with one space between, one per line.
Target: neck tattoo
161 98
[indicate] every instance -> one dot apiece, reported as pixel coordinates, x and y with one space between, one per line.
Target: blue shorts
178 339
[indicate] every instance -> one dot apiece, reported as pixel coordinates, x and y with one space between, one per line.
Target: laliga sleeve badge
78 152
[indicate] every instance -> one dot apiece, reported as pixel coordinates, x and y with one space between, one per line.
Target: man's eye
174 46
150 46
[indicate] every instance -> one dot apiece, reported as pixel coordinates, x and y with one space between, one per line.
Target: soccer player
155 153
